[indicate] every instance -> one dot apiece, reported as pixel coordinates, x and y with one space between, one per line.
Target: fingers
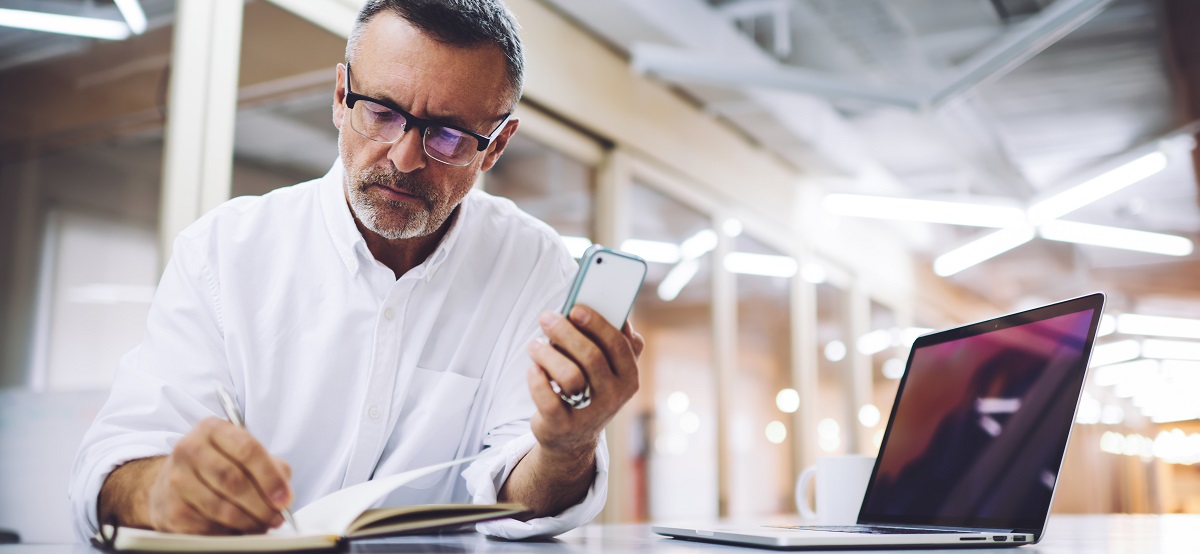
260 481
186 518
607 338
636 340
558 366
229 483
544 397
216 481
221 511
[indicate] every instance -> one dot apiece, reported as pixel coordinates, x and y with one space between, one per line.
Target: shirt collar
348 241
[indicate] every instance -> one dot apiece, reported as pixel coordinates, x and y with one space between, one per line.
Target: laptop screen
981 421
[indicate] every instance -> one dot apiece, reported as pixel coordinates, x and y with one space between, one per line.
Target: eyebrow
451 120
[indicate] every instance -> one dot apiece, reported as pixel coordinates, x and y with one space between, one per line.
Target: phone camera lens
599 260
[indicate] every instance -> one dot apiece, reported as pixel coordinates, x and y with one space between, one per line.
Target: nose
408 153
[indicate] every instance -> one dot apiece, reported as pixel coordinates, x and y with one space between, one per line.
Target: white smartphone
608 281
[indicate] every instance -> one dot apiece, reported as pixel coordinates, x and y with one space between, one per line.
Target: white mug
841 483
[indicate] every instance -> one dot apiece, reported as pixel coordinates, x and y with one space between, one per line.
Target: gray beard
373 214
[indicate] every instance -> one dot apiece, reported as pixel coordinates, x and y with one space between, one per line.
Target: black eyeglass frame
412 121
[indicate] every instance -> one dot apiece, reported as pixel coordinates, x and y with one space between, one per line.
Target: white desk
1107 534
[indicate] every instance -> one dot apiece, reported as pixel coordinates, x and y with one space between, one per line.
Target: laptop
974 445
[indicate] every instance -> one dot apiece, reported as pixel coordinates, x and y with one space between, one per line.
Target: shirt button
373 412
388 314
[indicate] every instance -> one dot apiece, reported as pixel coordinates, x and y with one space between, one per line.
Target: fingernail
280 496
547 318
580 315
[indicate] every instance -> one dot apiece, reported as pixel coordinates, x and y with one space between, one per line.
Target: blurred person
381 318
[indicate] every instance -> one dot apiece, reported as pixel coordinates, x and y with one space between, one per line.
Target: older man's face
396 190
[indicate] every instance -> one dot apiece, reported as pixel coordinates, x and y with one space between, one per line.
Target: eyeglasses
383 121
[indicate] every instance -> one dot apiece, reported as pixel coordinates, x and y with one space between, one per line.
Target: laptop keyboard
867 529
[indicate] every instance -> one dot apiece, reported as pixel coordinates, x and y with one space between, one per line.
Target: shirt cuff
486 475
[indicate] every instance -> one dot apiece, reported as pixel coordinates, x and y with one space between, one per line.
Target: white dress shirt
343 370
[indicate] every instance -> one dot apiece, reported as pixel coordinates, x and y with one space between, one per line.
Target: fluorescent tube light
1115 237
766 265
1108 326
698 244
110 293
576 245
653 250
677 278
910 335
1126 372
1178 327
732 227
982 249
1171 349
1097 187
64 24
929 211
874 342
814 273
131 10
1115 352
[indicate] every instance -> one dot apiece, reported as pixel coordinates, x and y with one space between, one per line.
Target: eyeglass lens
380 123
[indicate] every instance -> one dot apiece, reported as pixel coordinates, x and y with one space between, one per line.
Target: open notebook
326 523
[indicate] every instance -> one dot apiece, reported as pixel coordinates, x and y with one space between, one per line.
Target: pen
235 417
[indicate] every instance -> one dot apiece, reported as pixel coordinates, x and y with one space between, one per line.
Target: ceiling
1088 91
20 47
1090 88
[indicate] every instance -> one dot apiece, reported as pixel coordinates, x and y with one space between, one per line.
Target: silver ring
577 401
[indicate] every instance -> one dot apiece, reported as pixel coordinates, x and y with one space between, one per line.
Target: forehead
396 60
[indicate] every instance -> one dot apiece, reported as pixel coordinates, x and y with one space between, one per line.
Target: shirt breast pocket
434 424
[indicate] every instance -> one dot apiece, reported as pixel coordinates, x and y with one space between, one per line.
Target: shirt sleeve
509 438
486 475
162 388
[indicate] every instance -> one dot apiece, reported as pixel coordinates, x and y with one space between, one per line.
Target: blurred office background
814 182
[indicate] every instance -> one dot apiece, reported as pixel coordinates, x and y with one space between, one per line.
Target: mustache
404 182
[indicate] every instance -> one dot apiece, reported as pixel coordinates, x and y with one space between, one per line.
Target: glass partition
677 399
834 341
81 157
884 343
762 398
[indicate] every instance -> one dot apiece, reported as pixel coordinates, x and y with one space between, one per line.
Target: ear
497 146
339 97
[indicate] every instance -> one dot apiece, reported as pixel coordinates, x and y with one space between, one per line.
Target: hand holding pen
235 417
217 480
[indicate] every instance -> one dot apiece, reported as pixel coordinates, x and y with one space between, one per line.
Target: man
381 318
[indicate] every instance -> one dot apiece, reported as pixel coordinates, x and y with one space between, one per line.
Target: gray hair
461 23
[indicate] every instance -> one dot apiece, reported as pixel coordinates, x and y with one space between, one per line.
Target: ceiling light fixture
1097 187
766 265
698 244
677 278
1115 237
131 10
814 273
1170 349
64 24
576 245
1115 352
1178 327
928 211
653 250
982 249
